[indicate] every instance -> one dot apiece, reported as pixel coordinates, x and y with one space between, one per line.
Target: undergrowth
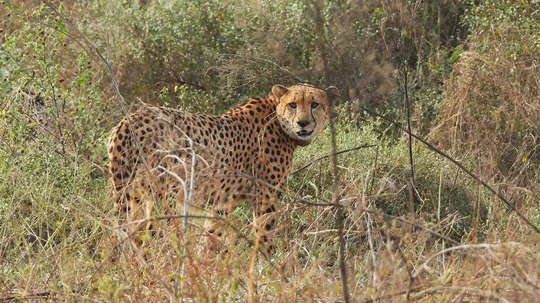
454 242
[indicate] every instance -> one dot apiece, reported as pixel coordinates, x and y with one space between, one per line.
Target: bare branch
330 154
476 292
455 248
340 216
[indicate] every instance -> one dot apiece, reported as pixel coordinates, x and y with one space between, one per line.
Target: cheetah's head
302 110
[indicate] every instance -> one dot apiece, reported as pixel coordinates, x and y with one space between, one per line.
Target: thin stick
34 296
381 298
411 160
371 248
374 170
340 216
476 292
461 247
329 155
386 216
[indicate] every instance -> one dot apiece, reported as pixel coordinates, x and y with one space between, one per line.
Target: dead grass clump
56 239
491 105
505 272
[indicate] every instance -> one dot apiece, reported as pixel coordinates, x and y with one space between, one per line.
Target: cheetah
216 161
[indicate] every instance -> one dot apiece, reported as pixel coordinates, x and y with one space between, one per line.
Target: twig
413 224
374 170
477 292
371 248
358 232
411 160
330 154
279 190
381 298
461 247
412 278
34 296
340 216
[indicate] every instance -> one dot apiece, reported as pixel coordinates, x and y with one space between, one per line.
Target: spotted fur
161 154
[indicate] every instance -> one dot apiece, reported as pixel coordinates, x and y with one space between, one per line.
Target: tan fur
244 154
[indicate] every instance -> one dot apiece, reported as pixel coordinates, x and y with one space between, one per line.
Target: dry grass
460 244
388 259
493 101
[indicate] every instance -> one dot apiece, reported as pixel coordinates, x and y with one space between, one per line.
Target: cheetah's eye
314 105
292 105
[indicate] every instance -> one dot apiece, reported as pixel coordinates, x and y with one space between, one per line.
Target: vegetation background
464 73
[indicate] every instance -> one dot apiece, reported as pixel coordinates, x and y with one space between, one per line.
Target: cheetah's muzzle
304 133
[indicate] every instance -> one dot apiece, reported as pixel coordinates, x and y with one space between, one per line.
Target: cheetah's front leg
222 207
265 221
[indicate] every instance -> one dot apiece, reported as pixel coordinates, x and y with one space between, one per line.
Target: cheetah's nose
303 123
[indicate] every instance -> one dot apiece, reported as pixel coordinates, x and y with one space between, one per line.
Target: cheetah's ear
279 90
332 94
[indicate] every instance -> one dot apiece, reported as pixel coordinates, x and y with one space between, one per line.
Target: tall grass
458 243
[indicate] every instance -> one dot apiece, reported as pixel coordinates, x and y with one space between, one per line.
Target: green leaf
456 53
61 27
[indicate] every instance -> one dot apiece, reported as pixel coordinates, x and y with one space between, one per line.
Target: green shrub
161 46
57 106
52 185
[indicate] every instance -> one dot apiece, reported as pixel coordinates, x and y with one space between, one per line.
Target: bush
57 107
52 117
491 104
